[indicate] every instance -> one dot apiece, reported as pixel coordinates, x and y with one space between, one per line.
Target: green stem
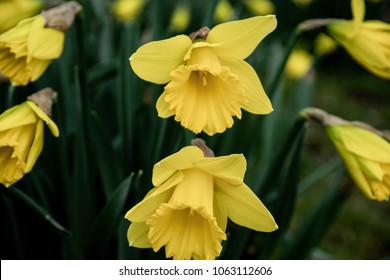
16 194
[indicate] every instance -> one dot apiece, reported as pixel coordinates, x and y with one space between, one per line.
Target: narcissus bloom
13 11
180 18
223 11
324 44
368 42
298 64
21 140
366 156
27 49
208 80
126 10
187 210
260 7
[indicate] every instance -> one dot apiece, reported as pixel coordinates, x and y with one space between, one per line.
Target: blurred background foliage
72 205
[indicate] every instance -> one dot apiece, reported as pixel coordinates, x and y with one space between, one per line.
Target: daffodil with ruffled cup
208 80
187 210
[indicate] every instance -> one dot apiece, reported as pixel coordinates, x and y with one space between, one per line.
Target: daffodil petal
36 147
228 168
49 122
244 207
44 43
181 160
19 32
18 115
161 194
154 61
372 170
258 101
163 107
350 162
143 210
220 212
137 235
38 67
365 143
239 38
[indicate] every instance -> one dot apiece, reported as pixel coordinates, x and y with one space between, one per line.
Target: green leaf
106 223
15 194
315 226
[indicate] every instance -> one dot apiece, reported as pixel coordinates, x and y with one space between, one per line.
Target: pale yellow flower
368 42
13 11
208 80
324 44
367 158
21 140
180 18
125 10
298 64
260 7
223 11
187 210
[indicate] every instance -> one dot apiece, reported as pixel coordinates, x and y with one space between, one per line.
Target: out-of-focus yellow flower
187 210
180 18
27 49
21 139
298 64
367 158
364 150
126 10
208 80
223 11
324 44
260 7
368 42
13 11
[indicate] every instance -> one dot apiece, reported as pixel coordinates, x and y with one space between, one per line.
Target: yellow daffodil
21 139
223 11
324 44
125 10
208 80
13 11
180 18
187 210
364 150
27 49
368 42
298 64
260 7
367 158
